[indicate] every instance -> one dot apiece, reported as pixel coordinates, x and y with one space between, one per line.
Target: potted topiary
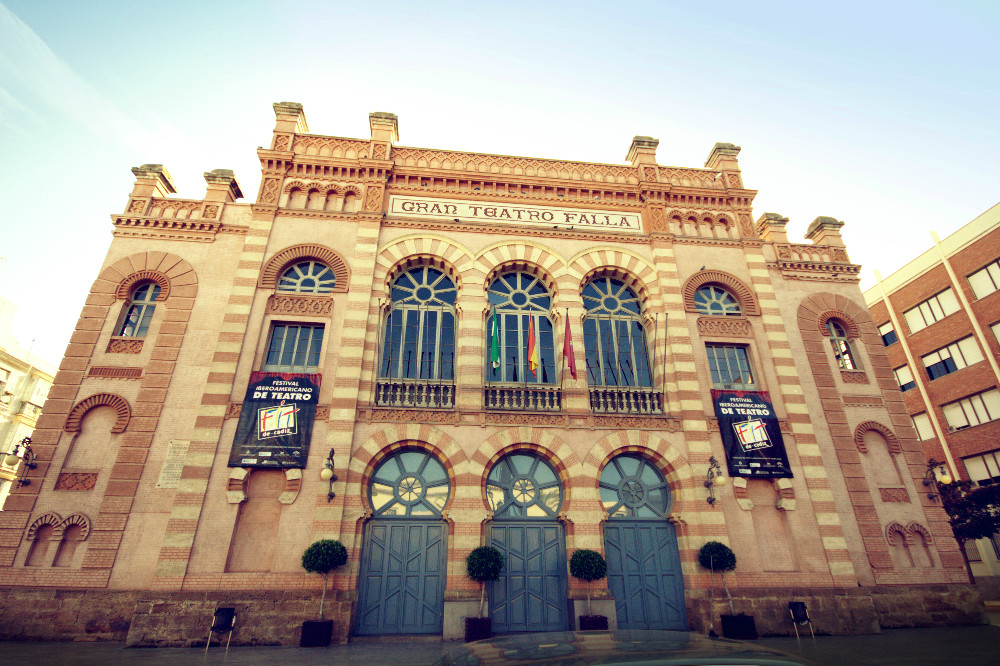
483 565
716 556
589 565
322 557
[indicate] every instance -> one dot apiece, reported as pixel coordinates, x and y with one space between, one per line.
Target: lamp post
932 478
22 452
713 479
327 475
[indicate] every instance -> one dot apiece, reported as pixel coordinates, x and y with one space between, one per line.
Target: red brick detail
890 437
125 286
116 402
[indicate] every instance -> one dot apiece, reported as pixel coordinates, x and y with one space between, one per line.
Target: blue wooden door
644 574
402 579
531 593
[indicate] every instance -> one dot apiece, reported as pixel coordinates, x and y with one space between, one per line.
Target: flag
494 343
568 348
532 347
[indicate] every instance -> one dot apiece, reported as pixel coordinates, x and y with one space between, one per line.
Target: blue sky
881 114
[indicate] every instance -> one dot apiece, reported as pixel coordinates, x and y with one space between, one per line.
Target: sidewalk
962 646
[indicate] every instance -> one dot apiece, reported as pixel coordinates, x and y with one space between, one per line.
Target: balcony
523 398
30 410
632 400
415 393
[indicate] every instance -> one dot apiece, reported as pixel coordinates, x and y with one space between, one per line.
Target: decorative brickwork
116 402
279 262
742 293
76 481
120 345
300 304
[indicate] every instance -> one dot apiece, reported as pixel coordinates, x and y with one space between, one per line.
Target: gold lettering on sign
563 218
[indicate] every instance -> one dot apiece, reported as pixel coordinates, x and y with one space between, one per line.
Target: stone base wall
989 587
843 611
166 619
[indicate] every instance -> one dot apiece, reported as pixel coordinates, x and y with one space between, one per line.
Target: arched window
714 300
522 485
139 311
521 305
419 340
614 336
632 488
410 483
846 358
308 277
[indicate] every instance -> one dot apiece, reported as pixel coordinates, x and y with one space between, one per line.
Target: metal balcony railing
523 398
418 393
630 400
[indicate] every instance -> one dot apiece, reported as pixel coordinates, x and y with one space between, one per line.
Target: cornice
203 231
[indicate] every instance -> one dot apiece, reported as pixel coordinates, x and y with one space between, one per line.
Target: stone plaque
173 464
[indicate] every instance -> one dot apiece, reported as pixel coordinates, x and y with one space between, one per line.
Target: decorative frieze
76 481
300 304
125 346
854 376
414 416
725 327
894 495
515 418
106 372
622 422
863 401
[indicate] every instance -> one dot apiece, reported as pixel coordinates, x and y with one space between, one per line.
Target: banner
751 434
276 421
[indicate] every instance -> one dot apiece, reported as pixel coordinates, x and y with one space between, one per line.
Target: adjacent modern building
939 319
420 351
24 385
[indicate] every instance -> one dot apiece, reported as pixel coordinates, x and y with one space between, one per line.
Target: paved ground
961 646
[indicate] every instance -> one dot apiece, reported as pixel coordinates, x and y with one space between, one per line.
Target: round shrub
323 556
717 556
588 565
484 564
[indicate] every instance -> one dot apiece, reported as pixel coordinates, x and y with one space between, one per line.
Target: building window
294 348
888 334
986 280
922 423
954 357
973 410
934 309
139 311
614 336
905 378
972 551
521 303
409 484
984 469
841 347
996 331
522 485
308 277
419 329
730 367
714 300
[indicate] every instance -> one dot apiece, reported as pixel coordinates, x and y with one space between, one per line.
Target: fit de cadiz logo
277 421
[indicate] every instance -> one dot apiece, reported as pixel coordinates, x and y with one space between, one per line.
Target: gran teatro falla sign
541 216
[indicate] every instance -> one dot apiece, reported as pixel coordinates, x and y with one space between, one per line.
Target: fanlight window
410 484
714 300
841 347
139 311
521 305
419 340
522 485
614 336
632 488
308 277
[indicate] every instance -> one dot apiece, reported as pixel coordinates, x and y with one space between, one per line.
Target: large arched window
308 277
522 485
139 310
714 300
632 488
521 304
419 332
409 483
614 336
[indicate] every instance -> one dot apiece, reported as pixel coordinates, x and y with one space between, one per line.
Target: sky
885 115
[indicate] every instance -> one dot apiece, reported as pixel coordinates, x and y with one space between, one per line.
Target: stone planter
478 628
316 633
593 623
740 626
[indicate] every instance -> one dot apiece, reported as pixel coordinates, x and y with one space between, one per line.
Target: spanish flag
532 348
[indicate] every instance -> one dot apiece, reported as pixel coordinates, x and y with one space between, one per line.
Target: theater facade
540 355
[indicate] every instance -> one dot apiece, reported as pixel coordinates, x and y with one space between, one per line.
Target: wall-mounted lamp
22 452
327 475
934 477
713 478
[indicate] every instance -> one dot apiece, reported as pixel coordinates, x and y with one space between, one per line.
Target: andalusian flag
532 348
494 343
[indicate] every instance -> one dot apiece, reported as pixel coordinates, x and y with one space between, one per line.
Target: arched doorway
644 568
403 554
525 494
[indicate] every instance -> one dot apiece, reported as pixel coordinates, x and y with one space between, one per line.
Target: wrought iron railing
631 400
523 398
420 393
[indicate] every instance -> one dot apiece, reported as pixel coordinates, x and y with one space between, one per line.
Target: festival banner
276 421
751 434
